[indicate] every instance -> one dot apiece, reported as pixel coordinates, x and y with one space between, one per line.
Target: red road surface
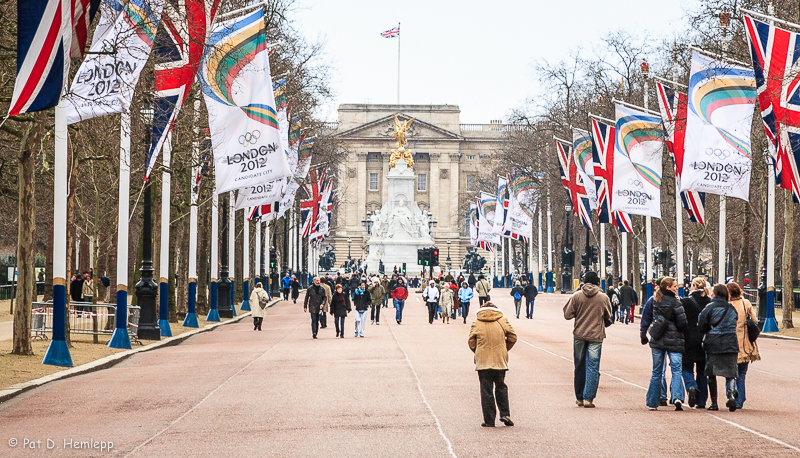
405 390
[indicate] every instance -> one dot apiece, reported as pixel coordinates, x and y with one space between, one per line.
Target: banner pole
245 261
58 352
213 311
550 280
770 323
721 251
678 211
190 321
602 256
163 262
232 248
398 63
648 223
120 338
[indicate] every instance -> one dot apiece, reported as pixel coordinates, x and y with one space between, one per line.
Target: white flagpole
398 63
265 258
770 323
602 256
290 220
245 261
624 261
257 254
648 224
120 338
191 301
551 281
539 274
232 247
213 312
721 251
58 352
678 213
163 263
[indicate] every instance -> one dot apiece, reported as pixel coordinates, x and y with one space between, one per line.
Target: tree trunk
26 275
48 264
786 260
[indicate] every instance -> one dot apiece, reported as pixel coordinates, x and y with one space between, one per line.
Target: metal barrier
8 291
84 318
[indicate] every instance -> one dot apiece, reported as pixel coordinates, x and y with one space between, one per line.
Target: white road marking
737 425
210 394
424 398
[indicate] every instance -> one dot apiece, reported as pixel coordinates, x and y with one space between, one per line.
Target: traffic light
434 256
426 257
583 259
420 256
594 255
273 258
404 268
608 258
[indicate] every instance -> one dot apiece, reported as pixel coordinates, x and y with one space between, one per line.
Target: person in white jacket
431 296
259 299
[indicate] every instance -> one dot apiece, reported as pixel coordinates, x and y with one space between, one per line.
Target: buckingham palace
447 156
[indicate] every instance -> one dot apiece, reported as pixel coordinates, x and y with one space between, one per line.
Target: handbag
752 329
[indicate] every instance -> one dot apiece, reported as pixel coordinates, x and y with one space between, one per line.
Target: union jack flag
775 57
673 116
603 157
44 41
475 221
82 18
564 150
309 207
391 33
178 50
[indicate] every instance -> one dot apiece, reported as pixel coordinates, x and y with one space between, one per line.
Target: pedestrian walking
718 322
518 292
482 288
399 295
644 326
748 350
694 358
490 338
259 299
377 294
286 284
88 290
295 287
465 295
591 310
472 281
431 297
666 341
385 286
323 314
340 306
446 300
613 297
362 302
315 298
531 291
627 298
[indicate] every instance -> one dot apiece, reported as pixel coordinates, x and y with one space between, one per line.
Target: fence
8 291
84 318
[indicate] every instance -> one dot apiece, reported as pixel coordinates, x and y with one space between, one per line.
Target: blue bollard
120 337
233 303
246 296
770 323
163 311
213 311
550 282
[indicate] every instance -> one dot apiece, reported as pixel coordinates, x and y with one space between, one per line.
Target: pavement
405 390
6 330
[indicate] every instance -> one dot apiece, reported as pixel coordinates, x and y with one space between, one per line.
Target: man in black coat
315 297
694 357
627 298
530 293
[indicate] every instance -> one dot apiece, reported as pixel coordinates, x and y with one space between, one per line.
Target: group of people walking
708 334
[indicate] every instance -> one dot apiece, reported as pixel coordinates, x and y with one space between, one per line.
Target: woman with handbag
718 322
259 299
748 349
340 305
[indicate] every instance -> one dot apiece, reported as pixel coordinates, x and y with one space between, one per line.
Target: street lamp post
566 272
146 288
448 256
431 224
349 244
224 305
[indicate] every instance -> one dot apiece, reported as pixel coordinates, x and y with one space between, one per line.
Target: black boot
712 393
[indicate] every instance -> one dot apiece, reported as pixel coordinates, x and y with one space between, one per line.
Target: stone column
435 196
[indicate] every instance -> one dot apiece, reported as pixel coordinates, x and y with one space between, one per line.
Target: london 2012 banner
718 157
237 87
582 154
637 162
106 80
486 217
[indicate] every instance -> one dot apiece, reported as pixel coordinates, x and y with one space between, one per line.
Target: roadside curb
112 360
777 336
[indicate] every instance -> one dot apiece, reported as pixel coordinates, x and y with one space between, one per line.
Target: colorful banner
582 155
106 80
498 217
775 58
638 146
603 154
472 221
518 223
237 87
486 214
718 157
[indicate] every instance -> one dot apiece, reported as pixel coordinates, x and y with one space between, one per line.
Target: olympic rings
719 153
249 138
636 183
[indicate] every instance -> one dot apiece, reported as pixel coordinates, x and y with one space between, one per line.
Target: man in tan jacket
591 309
490 338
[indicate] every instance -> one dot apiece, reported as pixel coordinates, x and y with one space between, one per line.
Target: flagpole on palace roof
398 63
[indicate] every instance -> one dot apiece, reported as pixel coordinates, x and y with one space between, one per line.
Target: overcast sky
475 54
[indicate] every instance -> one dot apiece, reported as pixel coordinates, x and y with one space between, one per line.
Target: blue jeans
676 384
385 300
339 322
587 368
399 306
625 311
741 397
529 308
694 376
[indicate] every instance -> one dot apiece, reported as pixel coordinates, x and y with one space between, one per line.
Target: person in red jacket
399 295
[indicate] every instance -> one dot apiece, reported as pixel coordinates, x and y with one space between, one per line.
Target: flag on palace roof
391 33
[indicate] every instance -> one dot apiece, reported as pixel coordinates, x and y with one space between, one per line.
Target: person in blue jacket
464 295
286 285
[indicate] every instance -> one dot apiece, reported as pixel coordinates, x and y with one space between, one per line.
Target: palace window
422 182
373 181
471 157
470 183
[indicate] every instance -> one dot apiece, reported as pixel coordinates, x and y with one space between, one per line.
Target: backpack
517 296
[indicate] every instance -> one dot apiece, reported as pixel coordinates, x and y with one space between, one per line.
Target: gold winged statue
400 129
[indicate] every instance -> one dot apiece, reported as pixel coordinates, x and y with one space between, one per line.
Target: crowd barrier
84 318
